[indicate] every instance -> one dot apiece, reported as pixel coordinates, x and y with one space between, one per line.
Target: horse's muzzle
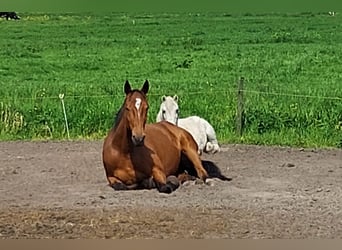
138 140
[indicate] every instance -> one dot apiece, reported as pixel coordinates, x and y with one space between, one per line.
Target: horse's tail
212 145
213 171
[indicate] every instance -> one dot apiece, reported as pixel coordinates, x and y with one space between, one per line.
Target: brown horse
140 155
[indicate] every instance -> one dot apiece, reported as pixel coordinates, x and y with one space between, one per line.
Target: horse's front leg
117 184
164 184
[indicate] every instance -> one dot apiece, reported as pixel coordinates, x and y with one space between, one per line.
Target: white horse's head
169 110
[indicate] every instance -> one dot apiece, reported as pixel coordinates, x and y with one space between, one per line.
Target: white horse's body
200 129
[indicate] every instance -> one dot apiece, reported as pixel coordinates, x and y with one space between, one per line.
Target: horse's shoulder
199 119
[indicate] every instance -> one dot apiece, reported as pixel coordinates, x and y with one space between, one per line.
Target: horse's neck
120 137
159 116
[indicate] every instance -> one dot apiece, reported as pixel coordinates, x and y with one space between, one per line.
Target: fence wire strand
229 90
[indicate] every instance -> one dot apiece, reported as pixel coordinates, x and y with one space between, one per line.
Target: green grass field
291 62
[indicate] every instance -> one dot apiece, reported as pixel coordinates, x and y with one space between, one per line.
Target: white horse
200 129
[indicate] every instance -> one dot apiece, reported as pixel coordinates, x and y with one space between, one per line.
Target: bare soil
59 190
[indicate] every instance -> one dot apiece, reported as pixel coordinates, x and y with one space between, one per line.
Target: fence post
61 97
240 107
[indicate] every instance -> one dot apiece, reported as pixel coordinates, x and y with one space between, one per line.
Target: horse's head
136 108
169 109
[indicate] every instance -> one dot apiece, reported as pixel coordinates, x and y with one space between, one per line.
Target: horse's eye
177 111
164 111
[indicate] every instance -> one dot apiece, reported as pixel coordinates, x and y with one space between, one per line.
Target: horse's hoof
212 148
173 182
165 189
199 181
210 182
188 183
119 186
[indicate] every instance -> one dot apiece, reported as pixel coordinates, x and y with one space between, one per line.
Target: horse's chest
141 161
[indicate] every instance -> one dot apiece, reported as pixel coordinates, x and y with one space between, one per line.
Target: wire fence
10 118
199 93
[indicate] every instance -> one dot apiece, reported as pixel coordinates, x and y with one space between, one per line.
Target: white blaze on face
137 103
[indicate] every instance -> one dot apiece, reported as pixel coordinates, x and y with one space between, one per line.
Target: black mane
118 116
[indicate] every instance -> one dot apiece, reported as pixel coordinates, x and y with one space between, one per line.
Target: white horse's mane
200 129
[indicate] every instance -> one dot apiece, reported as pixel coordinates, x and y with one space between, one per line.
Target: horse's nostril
141 139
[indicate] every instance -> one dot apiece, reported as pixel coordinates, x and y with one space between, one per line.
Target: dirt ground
59 190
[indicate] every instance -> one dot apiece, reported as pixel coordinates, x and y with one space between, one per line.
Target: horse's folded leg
183 177
173 181
160 181
164 188
148 184
119 186
212 148
167 187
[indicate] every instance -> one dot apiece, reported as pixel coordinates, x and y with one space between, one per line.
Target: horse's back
161 131
167 134
192 123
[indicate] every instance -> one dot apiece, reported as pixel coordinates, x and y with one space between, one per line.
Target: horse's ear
145 87
163 98
128 88
175 97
